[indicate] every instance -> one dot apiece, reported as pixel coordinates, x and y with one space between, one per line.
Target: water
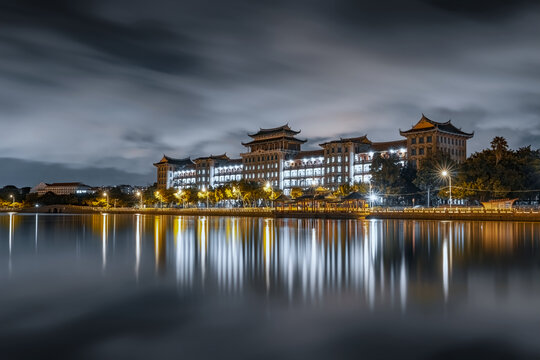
130 286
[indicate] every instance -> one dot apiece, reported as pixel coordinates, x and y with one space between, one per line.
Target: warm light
138 193
444 173
104 194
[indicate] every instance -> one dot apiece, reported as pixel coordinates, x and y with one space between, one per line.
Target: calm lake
153 287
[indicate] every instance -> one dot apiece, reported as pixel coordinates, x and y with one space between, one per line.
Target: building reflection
376 263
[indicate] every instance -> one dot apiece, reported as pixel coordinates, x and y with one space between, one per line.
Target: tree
499 145
385 174
500 172
296 192
428 175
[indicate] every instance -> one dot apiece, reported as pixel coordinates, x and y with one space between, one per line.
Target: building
428 137
275 156
69 188
268 151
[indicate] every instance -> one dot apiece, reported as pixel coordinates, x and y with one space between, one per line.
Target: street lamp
106 194
238 194
205 193
12 199
268 187
158 195
178 195
139 194
446 173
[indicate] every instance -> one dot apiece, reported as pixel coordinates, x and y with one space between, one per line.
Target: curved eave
460 133
255 142
257 134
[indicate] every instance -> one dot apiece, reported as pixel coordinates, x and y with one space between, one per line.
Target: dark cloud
141 43
115 84
30 173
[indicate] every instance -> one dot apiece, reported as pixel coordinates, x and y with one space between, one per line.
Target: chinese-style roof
355 195
356 140
389 145
169 160
308 154
426 124
288 138
280 129
214 157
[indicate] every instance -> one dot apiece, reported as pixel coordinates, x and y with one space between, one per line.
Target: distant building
70 188
275 156
428 137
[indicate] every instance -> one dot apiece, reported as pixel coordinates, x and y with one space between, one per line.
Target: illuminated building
275 157
70 188
428 137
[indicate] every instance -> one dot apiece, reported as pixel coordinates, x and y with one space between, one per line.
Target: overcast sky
96 91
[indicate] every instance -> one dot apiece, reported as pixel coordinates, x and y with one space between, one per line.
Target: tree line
494 173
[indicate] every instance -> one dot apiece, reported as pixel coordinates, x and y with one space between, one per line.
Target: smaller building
429 137
499 204
68 188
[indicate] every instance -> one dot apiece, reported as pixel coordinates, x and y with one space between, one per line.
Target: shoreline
437 214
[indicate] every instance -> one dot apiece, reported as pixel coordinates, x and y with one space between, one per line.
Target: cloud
116 84
30 173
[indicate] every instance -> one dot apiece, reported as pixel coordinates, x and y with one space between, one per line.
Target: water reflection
372 263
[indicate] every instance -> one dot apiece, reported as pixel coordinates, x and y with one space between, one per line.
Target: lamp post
205 193
267 188
179 194
158 194
12 199
106 194
139 194
446 173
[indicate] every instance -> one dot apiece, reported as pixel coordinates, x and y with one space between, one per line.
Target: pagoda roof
387 145
426 124
173 161
214 157
359 139
276 130
283 137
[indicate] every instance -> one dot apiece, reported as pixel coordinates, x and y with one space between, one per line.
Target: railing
454 210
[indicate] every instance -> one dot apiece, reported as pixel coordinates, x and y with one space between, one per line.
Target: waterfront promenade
456 213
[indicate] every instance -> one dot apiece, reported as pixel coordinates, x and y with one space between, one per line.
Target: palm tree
500 146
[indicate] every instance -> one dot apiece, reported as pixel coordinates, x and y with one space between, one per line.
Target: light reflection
376 263
10 265
36 234
104 241
137 246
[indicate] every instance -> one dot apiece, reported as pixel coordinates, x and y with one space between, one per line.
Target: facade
428 137
275 156
70 188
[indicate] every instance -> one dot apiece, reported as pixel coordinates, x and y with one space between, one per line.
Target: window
413 141
429 139
421 140
413 151
421 151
